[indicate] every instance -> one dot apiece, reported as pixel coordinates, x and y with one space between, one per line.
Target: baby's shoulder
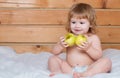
93 37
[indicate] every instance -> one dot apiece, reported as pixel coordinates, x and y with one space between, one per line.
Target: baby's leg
66 68
54 63
57 65
103 65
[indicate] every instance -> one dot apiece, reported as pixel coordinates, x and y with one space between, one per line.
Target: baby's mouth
77 30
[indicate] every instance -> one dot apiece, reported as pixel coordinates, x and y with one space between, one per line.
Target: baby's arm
95 50
58 48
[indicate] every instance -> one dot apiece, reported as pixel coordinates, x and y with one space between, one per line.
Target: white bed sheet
30 65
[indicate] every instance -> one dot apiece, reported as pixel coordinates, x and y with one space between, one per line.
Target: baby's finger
65 44
81 47
62 38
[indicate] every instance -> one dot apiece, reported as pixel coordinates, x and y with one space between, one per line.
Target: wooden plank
24 3
112 46
48 3
105 4
31 48
39 34
26 16
58 3
109 34
113 4
108 17
48 48
50 34
51 16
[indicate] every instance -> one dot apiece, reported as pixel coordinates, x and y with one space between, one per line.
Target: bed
29 65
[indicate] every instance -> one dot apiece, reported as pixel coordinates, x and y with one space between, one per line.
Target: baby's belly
78 59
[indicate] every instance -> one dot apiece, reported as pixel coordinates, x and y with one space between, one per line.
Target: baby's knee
51 61
108 63
53 58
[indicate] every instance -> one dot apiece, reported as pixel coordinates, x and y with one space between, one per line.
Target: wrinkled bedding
30 65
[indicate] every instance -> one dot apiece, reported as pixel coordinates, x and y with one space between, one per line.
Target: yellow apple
80 39
70 39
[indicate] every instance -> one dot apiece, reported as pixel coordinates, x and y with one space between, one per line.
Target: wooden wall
36 25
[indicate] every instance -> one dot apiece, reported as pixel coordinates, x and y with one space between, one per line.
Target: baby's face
79 26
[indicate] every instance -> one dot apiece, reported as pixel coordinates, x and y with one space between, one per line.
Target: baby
86 58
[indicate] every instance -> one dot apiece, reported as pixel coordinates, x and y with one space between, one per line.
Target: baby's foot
52 74
76 75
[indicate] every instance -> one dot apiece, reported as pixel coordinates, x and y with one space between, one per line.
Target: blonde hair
82 10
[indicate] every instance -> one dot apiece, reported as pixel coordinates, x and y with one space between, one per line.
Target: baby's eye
73 22
82 23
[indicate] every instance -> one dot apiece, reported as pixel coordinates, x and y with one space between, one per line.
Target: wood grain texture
51 34
58 3
48 48
38 34
109 34
36 25
113 4
40 16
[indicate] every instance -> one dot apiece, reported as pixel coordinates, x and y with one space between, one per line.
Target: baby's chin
78 33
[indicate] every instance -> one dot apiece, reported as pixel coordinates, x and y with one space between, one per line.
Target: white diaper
80 69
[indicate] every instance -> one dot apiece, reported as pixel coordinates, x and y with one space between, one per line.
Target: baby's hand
62 42
84 46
